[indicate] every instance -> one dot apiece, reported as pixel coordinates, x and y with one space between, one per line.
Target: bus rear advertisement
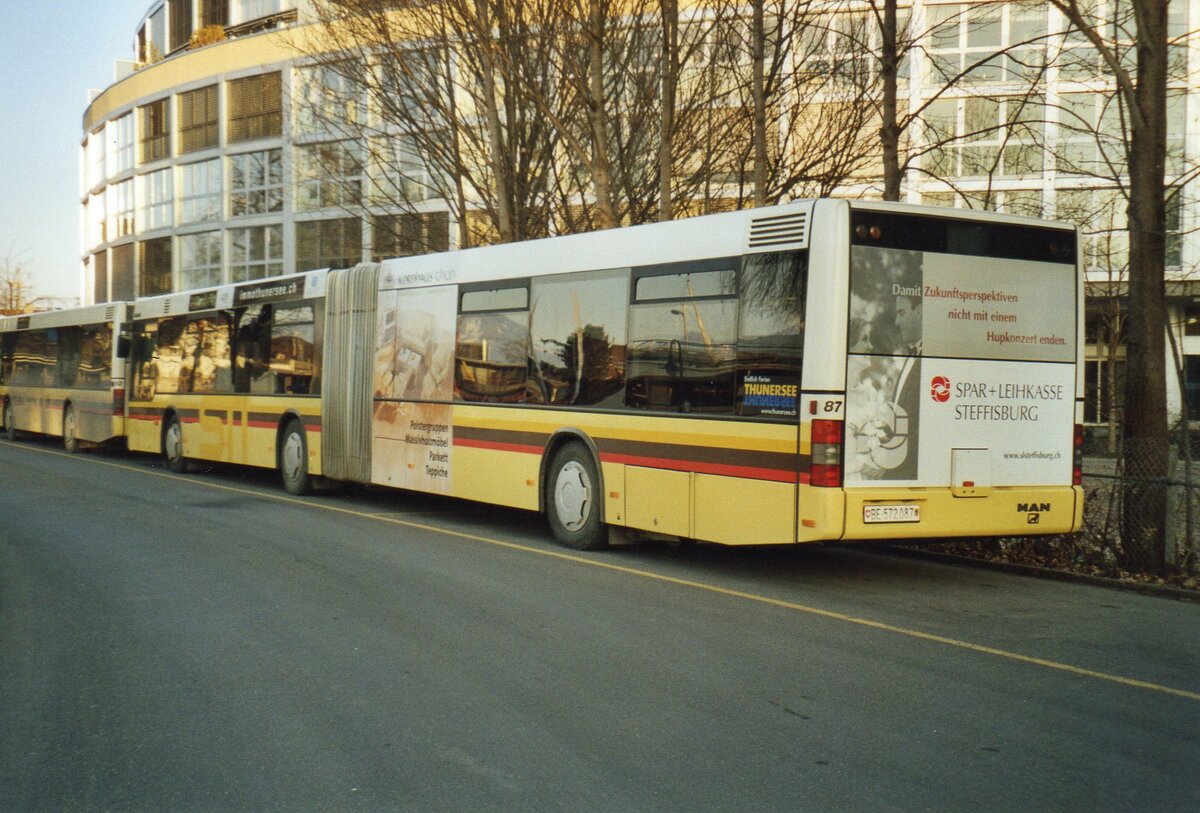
818 371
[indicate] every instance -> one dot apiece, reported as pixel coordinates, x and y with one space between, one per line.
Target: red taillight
118 402
826 468
1077 466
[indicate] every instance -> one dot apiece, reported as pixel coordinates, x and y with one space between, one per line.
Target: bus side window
682 340
141 359
293 357
168 356
577 334
95 357
206 361
491 355
771 334
8 350
70 341
252 372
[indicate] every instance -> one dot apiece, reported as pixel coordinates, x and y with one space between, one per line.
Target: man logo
939 389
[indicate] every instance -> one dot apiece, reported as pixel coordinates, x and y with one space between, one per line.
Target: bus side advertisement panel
412 434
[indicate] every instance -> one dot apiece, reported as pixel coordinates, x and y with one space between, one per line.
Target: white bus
822 370
62 373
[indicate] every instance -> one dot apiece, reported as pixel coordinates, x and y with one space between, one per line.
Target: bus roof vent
109 313
166 306
790 229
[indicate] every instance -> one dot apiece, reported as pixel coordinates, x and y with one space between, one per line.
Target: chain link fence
1124 510
1123 513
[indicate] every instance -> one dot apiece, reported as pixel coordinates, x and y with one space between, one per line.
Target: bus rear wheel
573 499
173 446
293 460
70 430
10 425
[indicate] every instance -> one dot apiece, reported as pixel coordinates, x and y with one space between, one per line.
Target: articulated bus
62 373
821 370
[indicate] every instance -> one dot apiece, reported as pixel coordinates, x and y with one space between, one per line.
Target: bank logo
939 389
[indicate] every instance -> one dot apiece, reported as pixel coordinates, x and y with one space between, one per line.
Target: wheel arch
558 440
289 416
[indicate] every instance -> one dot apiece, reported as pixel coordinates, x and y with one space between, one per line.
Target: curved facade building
199 170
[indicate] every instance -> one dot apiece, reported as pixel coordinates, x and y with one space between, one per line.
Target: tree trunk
498 157
889 130
758 54
1144 452
668 72
598 116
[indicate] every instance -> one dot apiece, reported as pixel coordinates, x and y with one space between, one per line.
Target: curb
1164 591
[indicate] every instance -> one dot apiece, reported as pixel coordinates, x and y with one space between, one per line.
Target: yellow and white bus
62 373
231 374
822 370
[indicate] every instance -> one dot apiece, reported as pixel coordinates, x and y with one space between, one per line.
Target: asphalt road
205 642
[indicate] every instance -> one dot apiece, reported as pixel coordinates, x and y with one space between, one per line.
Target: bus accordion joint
118 402
825 470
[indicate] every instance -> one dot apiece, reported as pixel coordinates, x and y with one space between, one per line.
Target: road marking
647 574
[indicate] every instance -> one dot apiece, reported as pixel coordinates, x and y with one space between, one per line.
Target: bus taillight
826 468
118 402
1077 467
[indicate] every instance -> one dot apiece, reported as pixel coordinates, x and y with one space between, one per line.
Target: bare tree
17 294
1143 88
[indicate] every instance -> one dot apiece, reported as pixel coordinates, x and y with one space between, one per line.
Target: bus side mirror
124 345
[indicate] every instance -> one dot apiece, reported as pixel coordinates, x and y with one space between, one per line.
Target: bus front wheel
173 446
293 460
573 499
70 430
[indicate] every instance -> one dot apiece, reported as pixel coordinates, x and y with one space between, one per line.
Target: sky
51 53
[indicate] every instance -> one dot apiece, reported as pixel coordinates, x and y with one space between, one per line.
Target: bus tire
70 430
173 446
573 499
10 423
293 460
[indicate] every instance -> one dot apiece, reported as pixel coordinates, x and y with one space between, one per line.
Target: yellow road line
658 577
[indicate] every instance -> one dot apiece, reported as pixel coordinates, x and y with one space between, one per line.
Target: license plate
891 513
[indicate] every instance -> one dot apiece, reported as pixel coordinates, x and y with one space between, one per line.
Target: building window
120 145
330 101
256 183
985 136
328 175
198 119
406 234
122 273
200 200
255 107
1103 232
1006 39
1101 395
214 12
180 14
255 252
120 209
154 267
246 10
100 277
155 200
402 176
199 260
97 145
154 124
97 220
328 243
